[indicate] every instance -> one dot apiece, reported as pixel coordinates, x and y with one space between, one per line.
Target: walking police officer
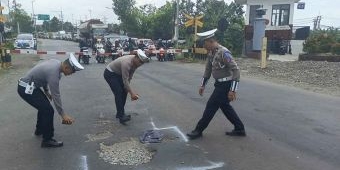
225 71
118 75
47 75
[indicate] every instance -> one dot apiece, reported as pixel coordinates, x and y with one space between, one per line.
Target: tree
124 10
55 24
25 21
233 36
163 22
68 27
46 26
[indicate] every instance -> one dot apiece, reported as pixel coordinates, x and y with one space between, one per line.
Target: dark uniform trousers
219 99
116 84
45 111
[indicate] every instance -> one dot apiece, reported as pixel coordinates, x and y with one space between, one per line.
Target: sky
75 10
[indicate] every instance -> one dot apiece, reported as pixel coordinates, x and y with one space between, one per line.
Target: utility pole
176 24
1 22
34 19
15 9
317 22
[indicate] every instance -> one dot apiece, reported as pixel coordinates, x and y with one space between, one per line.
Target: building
279 15
279 12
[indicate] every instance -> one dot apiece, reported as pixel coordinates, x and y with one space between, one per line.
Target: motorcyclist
82 44
108 46
141 45
130 45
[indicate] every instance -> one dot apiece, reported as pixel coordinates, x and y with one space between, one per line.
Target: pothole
125 153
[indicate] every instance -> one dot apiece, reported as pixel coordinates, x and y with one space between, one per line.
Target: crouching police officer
118 75
225 71
47 75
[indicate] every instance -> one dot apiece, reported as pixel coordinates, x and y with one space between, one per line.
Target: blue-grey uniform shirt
220 64
47 75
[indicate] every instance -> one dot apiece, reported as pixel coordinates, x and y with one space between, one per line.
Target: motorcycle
161 55
100 56
170 54
84 55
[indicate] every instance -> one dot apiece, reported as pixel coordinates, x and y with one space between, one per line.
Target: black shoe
51 143
37 132
194 134
124 119
124 115
117 117
236 133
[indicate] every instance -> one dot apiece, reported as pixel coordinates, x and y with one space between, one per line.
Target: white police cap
207 34
142 56
74 63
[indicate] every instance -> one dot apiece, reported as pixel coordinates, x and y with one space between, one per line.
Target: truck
92 30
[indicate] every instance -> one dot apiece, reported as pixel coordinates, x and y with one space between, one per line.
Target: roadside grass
20 62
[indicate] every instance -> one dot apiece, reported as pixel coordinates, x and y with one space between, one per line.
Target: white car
25 41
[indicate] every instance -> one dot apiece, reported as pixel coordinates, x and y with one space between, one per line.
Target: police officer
46 75
225 71
118 75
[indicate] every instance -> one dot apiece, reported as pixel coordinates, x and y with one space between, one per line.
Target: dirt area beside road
20 63
318 76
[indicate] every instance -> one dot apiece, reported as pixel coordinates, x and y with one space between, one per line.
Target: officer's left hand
232 96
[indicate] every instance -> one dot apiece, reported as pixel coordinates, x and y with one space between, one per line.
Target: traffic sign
199 17
189 23
43 17
2 19
199 23
301 5
188 16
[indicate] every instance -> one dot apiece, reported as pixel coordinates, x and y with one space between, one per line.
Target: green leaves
20 16
147 21
321 41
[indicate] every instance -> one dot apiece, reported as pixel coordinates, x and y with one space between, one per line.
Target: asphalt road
287 128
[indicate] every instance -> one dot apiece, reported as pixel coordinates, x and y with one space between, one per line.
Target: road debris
151 136
125 153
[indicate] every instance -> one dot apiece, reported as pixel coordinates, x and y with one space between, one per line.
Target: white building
279 12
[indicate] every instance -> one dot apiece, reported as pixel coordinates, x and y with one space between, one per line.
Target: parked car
25 41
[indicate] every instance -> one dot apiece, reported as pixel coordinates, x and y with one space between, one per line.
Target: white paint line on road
84 165
153 124
181 133
213 165
175 128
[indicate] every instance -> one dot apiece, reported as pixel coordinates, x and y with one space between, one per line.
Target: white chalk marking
212 166
84 162
153 124
175 128
181 133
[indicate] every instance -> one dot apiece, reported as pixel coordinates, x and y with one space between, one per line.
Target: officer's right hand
67 119
134 97
201 91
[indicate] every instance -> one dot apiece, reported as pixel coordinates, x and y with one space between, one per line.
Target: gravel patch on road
125 153
318 76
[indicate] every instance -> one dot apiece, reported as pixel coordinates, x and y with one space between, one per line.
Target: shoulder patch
227 56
